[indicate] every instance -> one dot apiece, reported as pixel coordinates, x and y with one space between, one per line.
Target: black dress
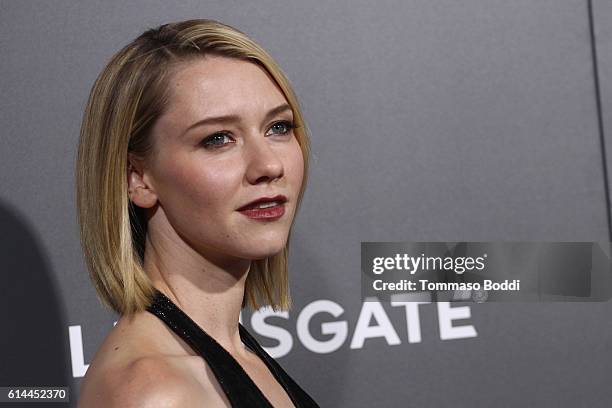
240 390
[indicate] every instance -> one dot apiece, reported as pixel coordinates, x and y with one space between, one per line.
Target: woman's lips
265 214
265 208
264 202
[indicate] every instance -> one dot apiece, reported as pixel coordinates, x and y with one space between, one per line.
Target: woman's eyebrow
234 118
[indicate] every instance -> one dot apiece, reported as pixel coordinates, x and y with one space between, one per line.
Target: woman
191 166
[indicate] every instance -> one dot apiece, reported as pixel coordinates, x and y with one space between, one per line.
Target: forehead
214 86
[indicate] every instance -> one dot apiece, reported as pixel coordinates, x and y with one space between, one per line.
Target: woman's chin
265 250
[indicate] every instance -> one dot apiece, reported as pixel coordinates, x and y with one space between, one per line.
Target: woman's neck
210 293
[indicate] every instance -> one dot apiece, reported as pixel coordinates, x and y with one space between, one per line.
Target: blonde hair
128 96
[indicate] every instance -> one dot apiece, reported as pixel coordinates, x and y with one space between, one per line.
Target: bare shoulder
142 364
146 382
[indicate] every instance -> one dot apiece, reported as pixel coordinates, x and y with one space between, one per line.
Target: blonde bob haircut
128 96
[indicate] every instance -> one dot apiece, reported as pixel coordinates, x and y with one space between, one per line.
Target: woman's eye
216 140
281 128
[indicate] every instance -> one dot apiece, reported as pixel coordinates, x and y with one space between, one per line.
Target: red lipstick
265 208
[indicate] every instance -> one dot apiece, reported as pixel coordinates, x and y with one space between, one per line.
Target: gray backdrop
431 120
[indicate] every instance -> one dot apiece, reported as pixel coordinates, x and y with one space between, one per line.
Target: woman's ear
139 192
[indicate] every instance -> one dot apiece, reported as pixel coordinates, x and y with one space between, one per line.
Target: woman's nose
264 164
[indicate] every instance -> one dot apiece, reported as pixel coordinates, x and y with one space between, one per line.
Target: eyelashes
288 126
215 140
223 138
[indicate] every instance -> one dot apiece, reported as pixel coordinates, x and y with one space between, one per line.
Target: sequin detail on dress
239 388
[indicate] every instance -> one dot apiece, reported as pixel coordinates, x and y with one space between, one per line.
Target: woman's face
225 140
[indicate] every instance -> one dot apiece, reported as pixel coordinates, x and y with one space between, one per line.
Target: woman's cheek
215 182
297 166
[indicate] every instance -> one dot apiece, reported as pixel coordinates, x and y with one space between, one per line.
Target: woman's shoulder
147 382
140 364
